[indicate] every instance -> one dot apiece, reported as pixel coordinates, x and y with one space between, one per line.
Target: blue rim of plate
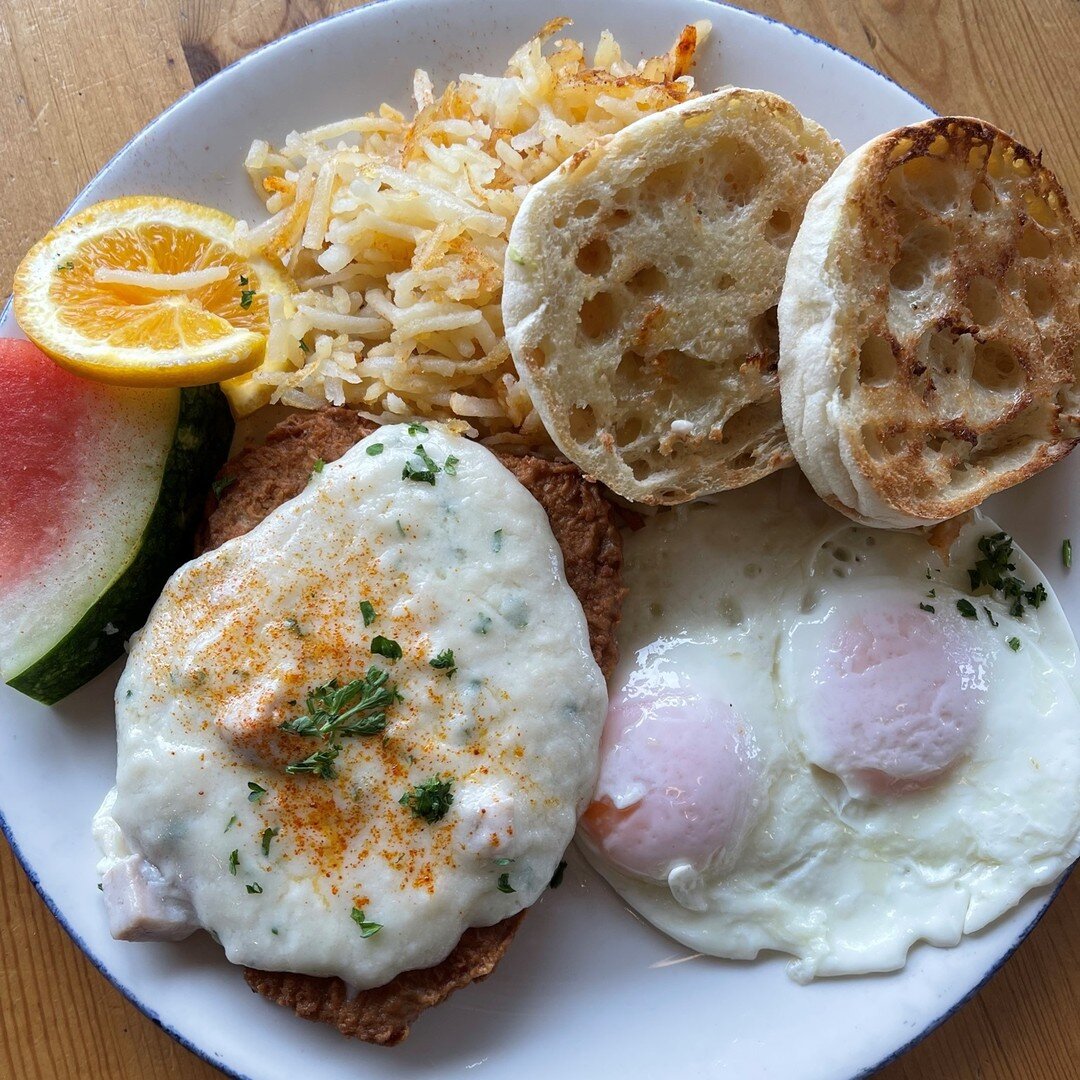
5 829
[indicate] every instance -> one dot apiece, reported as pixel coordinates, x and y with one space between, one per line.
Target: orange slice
146 291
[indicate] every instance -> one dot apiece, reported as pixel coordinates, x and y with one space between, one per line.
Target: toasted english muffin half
929 328
640 293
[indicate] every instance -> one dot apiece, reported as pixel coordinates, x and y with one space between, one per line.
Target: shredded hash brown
395 229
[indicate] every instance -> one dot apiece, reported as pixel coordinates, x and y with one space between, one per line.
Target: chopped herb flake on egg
292 625
267 838
234 861
367 609
504 883
367 928
1014 644
232 822
994 571
1066 553
255 792
482 625
255 887
384 646
496 541
967 609
246 296
318 466
990 616
375 449
927 607
417 428
450 465
444 662
430 799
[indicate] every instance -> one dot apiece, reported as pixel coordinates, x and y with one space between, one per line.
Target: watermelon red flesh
46 420
101 489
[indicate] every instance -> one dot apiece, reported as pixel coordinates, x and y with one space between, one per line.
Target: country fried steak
259 480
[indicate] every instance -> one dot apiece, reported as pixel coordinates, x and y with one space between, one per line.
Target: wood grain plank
65 108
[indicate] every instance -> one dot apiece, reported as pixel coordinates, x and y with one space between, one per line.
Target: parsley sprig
430 799
444 662
357 708
335 712
994 571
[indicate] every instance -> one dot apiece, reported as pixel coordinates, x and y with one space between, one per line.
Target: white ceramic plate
587 989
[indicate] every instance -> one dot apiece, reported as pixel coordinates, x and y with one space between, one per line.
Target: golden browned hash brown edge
895 481
257 481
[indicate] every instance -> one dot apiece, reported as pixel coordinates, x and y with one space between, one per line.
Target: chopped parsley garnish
384 646
254 887
967 609
367 928
320 764
444 662
357 708
450 465
221 484
1066 553
246 296
556 878
367 609
990 615
515 255
430 800
234 861
255 791
243 280
994 571
232 821
295 627
927 607
425 475
401 528
1014 644
318 466
375 449
304 346
496 541
267 838
503 862
416 428
482 625
932 593
69 265
504 884
1038 596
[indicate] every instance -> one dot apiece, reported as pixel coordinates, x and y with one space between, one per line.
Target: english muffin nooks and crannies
339 743
929 330
640 293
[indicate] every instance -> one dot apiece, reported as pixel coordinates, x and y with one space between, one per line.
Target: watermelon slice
101 489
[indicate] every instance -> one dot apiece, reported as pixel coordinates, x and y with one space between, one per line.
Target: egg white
737 596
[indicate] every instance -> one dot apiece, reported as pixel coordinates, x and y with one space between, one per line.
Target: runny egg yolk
677 783
896 700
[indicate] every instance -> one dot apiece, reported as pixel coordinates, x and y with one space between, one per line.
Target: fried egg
821 742
362 727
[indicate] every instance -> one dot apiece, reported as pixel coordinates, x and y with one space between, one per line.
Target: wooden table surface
79 77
